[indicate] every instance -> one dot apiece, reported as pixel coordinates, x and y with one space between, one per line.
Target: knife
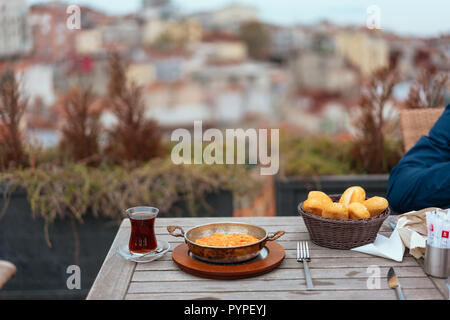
393 283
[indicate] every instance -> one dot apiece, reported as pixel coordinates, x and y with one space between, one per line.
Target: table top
336 274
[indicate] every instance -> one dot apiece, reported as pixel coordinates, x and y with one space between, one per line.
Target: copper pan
233 254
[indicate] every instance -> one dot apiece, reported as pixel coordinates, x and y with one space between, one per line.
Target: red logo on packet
444 234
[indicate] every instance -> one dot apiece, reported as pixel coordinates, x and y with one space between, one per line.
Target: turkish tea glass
142 238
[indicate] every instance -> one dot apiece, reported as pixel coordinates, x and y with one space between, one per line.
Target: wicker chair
416 123
7 271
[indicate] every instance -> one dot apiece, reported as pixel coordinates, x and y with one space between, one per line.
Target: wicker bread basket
342 234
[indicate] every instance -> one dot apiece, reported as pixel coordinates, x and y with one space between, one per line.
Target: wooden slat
295 274
438 282
274 285
388 294
328 263
288 245
290 222
442 287
115 274
291 254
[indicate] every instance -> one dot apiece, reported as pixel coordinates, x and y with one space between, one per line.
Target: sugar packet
438 228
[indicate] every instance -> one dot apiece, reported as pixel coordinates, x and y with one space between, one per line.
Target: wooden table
336 274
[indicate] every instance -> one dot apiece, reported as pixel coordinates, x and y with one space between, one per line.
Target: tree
12 109
81 129
369 149
135 138
257 38
428 91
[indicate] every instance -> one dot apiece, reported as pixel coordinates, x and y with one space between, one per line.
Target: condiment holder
437 252
437 262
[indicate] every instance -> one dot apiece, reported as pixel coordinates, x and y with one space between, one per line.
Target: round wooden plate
254 267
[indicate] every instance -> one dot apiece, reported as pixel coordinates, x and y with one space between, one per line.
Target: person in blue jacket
421 179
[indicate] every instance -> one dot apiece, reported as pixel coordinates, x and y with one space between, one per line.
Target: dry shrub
81 128
135 138
74 190
371 149
12 109
428 91
314 155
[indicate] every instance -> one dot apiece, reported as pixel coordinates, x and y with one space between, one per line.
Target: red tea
142 239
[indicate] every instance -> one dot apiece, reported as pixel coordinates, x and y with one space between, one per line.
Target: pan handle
171 230
275 236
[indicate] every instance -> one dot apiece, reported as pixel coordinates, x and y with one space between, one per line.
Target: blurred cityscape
225 67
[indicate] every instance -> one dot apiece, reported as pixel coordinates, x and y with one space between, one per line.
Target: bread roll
353 194
356 210
335 210
314 206
320 196
376 205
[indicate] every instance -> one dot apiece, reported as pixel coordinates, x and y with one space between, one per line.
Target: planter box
290 192
217 205
42 270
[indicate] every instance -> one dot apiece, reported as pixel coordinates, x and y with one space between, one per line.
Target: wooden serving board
254 267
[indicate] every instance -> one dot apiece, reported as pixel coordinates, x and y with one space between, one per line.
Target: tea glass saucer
161 249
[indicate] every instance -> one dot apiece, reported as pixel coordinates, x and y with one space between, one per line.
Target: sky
406 17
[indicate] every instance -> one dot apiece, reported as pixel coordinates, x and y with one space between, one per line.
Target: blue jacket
422 177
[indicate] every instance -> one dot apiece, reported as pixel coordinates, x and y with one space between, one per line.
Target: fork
304 257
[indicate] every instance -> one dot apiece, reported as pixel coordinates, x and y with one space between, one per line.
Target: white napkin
410 232
412 227
390 248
